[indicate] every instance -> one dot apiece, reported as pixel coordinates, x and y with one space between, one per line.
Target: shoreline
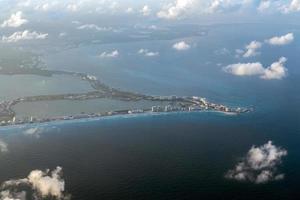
111 117
102 91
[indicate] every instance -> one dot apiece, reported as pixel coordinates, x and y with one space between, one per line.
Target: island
101 90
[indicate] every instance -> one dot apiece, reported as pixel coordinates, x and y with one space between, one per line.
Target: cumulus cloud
245 69
3 147
176 9
293 6
181 46
41 184
15 20
223 5
93 27
259 165
276 71
112 54
146 11
25 35
264 5
281 40
148 53
251 49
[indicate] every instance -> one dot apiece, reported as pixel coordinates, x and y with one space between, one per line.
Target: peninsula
101 91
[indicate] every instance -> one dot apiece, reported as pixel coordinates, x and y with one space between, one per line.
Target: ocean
177 155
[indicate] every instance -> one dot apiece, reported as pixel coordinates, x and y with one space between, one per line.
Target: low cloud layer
24 35
251 49
259 165
148 53
176 9
93 27
37 185
112 54
281 40
276 71
181 46
15 20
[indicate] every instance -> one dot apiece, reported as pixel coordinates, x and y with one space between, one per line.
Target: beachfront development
103 91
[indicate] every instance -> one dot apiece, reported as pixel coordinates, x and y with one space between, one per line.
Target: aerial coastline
101 91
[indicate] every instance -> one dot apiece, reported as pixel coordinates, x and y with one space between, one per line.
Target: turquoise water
12 87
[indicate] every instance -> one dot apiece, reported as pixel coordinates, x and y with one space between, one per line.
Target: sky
209 11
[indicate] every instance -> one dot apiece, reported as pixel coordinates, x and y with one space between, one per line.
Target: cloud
72 7
3 147
264 5
276 71
25 35
47 6
9 195
129 10
181 46
259 165
41 184
176 9
148 53
15 20
251 49
224 5
94 27
293 6
245 69
112 54
146 11
281 40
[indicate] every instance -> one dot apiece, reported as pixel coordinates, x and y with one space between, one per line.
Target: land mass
101 91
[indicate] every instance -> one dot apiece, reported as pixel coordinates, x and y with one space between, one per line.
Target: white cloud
42 183
264 5
129 10
181 46
148 53
259 165
293 6
46 6
25 35
176 9
47 185
281 40
245 69
72 7
214 6
93 27
251 49
3 147
15 20
112 54
276 71
9 195
146 11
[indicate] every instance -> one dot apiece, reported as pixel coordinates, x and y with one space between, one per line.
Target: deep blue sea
178 155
